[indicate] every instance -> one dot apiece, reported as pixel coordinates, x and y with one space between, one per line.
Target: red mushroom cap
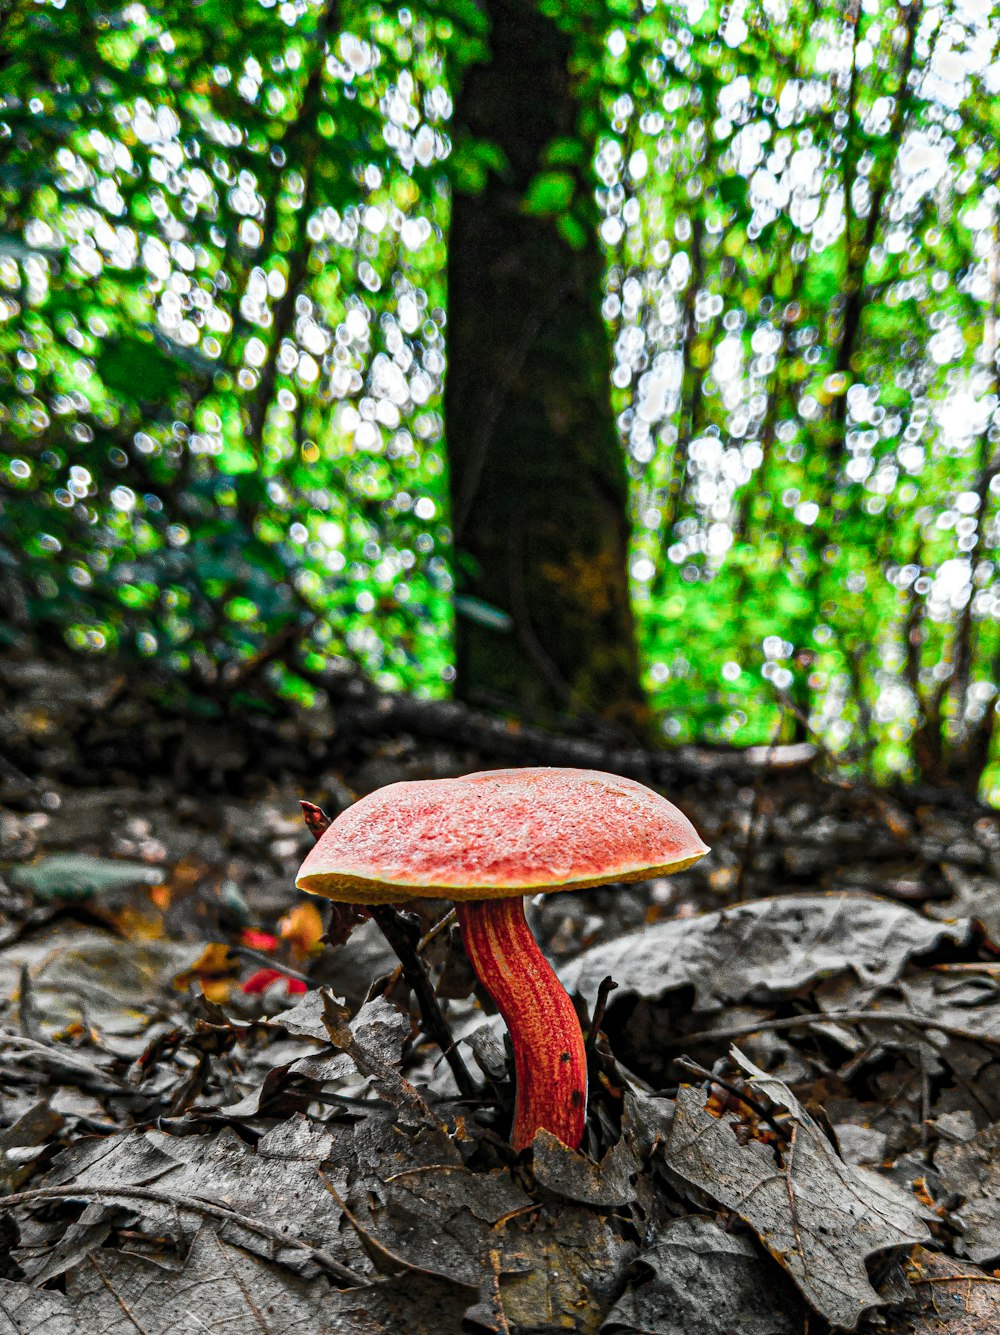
498 833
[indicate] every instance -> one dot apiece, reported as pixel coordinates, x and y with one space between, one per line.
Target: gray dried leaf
299 1139
763 950
381 1148
278 1183
440 1218
490 1197
91 977
647 1120
88 1233
951 1298
488 1051
577 1178
374 1041
286 1191
53 1064
368 1047
973 1170
23 1141
974 895
219 1287
819 1217
28 1311
126 1159
699 1280
966 1000
305 1018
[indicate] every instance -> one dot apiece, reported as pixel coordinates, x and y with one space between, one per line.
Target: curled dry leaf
577 1178
698 1279
951 1298
818 1216
763 950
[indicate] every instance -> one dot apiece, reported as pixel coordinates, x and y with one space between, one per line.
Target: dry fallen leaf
818 1216
762 950
972 1169
952 1297
698 1279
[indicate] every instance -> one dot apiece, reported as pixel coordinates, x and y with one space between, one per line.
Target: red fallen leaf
258 940
263 978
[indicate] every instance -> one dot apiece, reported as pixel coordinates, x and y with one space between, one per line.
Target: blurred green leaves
223 238
550 193
221 339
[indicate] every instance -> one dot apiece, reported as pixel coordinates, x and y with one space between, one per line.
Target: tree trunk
539 487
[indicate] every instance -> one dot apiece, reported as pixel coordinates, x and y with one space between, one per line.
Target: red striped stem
549 1058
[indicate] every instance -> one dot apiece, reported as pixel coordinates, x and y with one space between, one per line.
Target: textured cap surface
498 833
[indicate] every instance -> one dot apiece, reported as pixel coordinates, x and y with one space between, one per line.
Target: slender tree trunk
538 476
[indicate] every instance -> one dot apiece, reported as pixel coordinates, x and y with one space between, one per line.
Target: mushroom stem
549 1058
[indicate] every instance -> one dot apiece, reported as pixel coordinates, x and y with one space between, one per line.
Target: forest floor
219 1110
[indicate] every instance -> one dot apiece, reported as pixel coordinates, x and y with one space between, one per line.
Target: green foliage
550 193
803 270
223 242
222 288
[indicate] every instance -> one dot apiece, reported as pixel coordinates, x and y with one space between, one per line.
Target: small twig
793 1209
956 1279
686 1064
270 962
431 935
492 1268
196 1206
396 930
607 986
908 1019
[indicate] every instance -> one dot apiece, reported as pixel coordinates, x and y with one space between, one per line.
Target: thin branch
731 1087
258 957
923 1023
404 941
403 938
363 710
195 1205
608 985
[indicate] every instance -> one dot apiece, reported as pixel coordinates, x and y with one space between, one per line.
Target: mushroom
485 841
